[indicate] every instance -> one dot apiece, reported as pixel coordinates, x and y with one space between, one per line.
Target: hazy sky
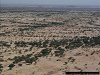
53 2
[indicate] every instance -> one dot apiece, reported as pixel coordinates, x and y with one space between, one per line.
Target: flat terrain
49 43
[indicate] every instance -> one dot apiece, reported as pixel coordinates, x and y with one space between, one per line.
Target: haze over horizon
51 2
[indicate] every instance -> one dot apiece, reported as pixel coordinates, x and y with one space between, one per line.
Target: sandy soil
32 26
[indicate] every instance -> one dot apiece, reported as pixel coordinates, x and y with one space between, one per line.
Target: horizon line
52 5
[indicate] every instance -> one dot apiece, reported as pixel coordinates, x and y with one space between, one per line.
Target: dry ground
19 31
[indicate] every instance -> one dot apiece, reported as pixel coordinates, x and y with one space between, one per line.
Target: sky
51 2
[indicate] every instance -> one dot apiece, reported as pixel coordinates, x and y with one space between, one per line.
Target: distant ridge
49 8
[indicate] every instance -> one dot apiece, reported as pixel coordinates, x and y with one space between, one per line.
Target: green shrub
27 58
56 23
3 43
1 67
19 64
18 59
45 43
59 52
45 52
21 43
31 60
11 66
55 43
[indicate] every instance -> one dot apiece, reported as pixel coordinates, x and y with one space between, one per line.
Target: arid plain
49 43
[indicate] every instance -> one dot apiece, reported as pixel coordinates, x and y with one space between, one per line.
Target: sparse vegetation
43 52
4 43
40 40
20 44
1 67
56 23
27 58
59 52
31 60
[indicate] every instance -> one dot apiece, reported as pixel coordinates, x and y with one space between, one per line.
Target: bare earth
32 43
